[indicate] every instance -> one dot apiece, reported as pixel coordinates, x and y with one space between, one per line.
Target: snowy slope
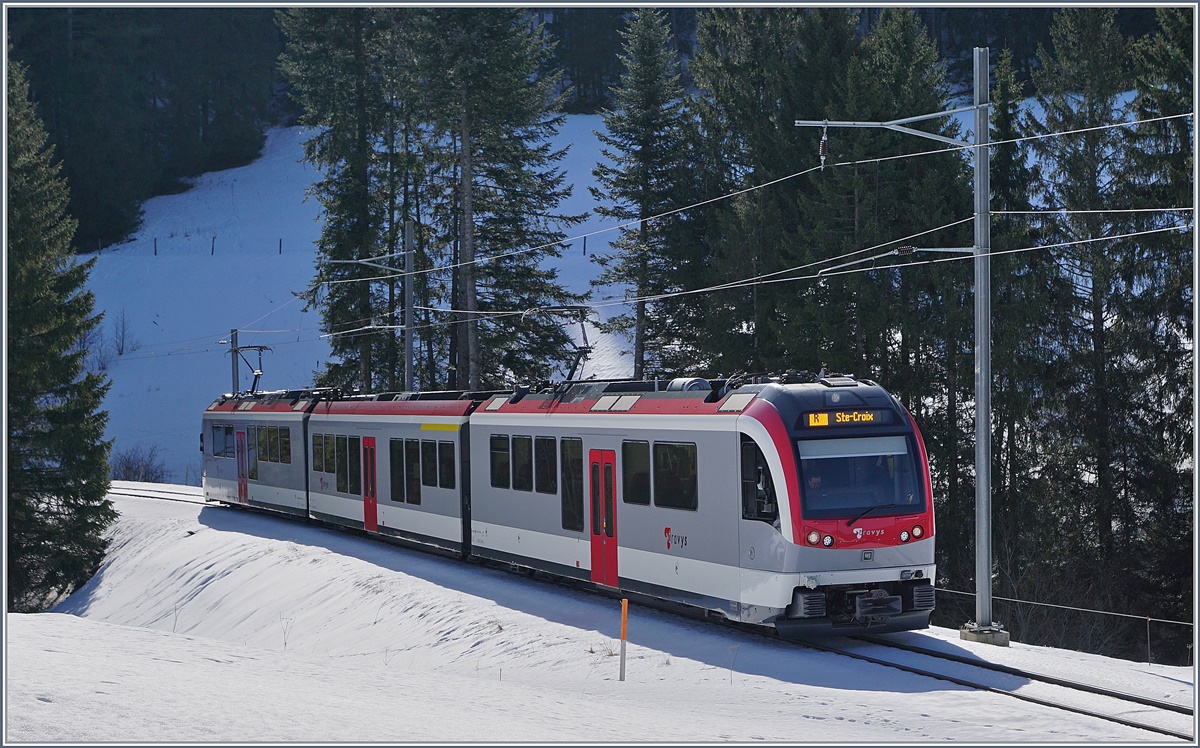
232 252
217 625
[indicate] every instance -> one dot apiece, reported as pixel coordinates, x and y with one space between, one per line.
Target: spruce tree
643 136
332 60
491 117
758 70
1028 309
57 458
1107 382
1161 157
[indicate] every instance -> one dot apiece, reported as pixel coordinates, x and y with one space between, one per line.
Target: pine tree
57 457
644 145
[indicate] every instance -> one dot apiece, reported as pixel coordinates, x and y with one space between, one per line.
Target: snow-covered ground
211 624
233 252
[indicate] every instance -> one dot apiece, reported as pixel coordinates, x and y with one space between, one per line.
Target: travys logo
675 538
859 533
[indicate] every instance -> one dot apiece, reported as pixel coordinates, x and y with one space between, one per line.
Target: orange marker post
624 627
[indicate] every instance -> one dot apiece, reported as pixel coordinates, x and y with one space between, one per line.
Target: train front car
844 466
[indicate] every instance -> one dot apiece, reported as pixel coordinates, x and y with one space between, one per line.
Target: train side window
429 464
675 483
500 467
446 464
522 463
572 484
396 469
318 453
285 445
758 488
330 450
412 471
252 452
264 442
230 444
273 444
635 472
354 463
545 465
342 469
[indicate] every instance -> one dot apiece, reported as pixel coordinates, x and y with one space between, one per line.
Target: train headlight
827 541
904 536
814 537
918 531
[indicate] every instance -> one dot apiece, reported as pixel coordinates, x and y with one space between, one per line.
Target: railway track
187 494
1130 710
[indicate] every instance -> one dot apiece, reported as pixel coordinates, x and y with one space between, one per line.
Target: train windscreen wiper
870 509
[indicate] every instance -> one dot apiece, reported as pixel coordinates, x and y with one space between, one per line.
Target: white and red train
803 506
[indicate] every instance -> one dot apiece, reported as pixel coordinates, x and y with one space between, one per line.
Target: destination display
848 418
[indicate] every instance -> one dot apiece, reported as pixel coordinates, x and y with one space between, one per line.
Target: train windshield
846 477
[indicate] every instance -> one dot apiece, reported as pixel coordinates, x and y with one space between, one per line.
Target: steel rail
1053 680
1000 691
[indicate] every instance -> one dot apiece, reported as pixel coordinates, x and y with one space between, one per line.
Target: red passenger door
602 479
243 462
370 502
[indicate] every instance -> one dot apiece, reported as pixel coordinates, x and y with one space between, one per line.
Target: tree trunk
471 304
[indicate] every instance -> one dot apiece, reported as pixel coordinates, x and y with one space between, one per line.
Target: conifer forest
747 245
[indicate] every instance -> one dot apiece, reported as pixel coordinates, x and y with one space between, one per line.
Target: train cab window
844 477
354 463
500 466
675 480
758 487
446 464
412 471
572 484
429 464
545 465
635 472
522 463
